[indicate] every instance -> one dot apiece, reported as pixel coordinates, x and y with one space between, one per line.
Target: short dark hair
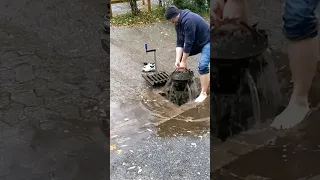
171 12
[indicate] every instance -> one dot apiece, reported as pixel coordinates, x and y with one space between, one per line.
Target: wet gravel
172 158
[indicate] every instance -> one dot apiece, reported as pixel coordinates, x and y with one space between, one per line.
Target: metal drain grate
156 79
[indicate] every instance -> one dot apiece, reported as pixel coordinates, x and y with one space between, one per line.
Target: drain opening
181 87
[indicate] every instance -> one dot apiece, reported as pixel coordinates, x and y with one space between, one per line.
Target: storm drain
157 79
181 87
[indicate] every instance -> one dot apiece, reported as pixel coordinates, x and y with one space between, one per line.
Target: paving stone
25 52
37 62
4 99
47 73
14 114
27 98
24 73
62 88
66 110
37 114
7 76
10 55
13 62
90 89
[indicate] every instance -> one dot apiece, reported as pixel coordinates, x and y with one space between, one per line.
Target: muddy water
181 96
176 127
155 113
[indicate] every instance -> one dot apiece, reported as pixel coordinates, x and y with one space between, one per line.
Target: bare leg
303 57
204 72
204 79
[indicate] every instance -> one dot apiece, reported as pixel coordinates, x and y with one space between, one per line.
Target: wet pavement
150 136
127 86
54 76
165 151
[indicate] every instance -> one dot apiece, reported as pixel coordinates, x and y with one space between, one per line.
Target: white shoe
150 67
201 97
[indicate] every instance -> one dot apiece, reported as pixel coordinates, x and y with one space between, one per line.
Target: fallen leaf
112 147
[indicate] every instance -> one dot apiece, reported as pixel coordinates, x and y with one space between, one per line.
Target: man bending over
193 37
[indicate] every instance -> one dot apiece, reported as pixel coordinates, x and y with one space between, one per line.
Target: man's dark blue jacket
193 32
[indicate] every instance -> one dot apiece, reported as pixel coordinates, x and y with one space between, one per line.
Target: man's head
172 14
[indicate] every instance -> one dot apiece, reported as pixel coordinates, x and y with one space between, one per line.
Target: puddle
131 119
174 128
153 113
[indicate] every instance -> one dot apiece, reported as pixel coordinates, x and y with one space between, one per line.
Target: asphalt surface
141 153
54 76
159 158
128 54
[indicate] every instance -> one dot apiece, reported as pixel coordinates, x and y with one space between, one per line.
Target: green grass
144 17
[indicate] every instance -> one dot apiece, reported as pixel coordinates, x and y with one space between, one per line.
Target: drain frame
156 79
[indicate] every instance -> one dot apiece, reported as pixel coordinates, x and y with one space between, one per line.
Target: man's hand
177 64
183 64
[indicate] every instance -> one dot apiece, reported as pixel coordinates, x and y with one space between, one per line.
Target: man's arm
190 31
179 47
179 51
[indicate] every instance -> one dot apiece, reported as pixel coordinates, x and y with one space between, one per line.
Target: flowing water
178 96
